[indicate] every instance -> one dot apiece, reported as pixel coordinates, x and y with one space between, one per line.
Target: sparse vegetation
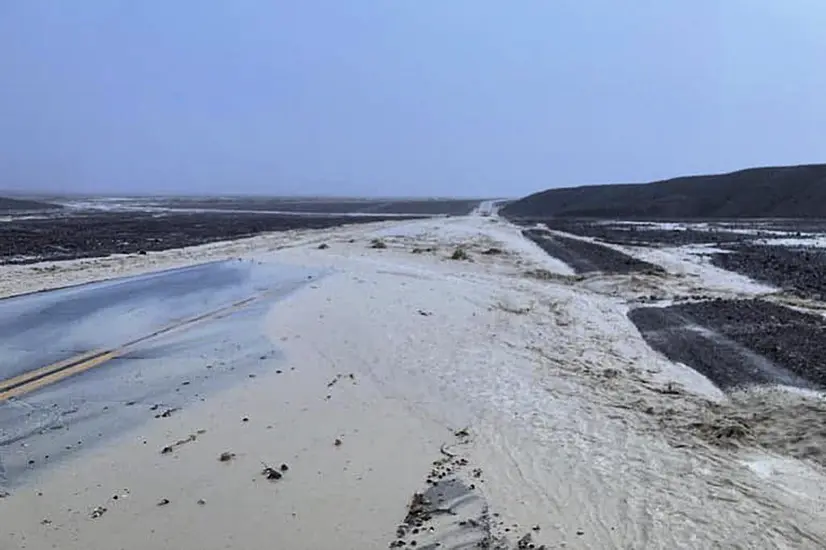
419 250
460 254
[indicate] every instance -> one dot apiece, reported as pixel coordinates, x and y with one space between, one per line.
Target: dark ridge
739 343
8 206
771 192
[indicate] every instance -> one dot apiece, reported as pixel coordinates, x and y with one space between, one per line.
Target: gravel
586 257
801 271
101 234
737 343
637 235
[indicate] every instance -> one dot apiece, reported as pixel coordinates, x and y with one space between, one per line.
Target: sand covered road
519 392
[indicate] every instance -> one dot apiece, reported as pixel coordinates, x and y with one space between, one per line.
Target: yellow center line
57 376
43 371
38 378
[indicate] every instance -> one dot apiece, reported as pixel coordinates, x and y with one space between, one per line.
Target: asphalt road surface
83 363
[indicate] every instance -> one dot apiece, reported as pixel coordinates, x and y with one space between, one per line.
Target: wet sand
532 406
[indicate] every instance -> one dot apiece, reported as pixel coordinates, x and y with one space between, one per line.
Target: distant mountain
771 192
16 205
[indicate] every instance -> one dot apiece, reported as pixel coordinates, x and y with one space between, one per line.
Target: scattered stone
245 419
337 442
271 473
377 243
169 448
424 313
226 456
98 511
525 542
46 521
323 246
167 413
163 502
201 502
284 468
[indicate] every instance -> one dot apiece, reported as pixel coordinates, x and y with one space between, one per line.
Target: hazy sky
403 97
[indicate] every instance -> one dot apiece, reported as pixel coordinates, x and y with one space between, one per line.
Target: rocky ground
587 257
782 253
636 234
735 343
456 207
740 343
799 270
97 234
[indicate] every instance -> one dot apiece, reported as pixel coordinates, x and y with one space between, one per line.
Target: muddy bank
96 234
740 343
586 257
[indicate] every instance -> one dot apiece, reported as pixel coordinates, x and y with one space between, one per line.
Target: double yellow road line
38 378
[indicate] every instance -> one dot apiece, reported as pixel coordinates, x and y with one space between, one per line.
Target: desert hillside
771 192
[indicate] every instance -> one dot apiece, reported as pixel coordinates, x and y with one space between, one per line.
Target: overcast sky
403 97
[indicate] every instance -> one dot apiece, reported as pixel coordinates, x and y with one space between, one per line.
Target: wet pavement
149 378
